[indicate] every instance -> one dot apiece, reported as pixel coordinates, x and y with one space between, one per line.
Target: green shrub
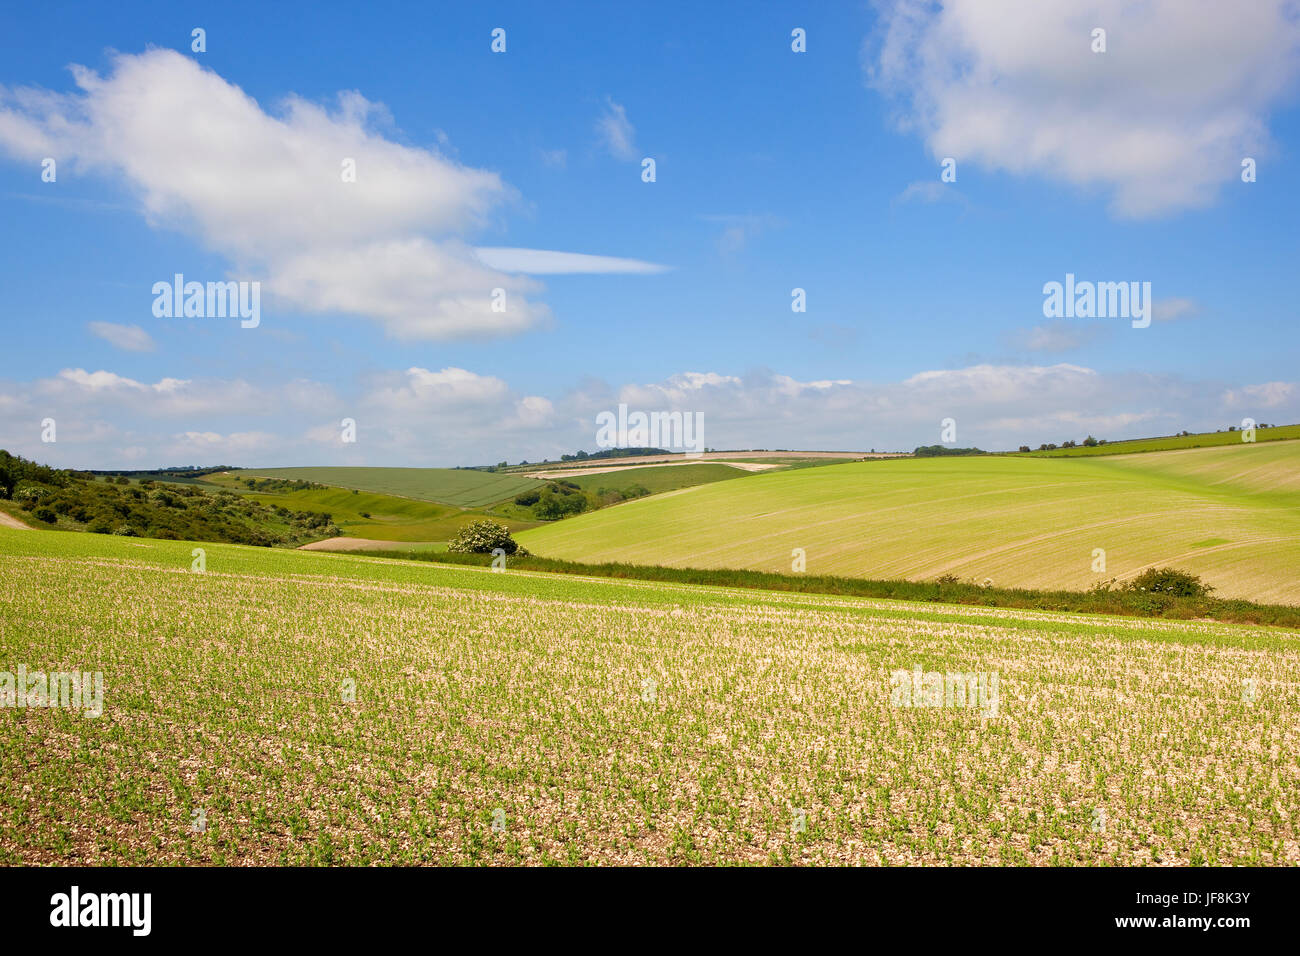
45 514
1169 581
936 451
551 505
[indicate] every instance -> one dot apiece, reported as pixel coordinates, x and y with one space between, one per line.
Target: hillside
463 487
373 516
1167 443
43 497
1230 514
656 479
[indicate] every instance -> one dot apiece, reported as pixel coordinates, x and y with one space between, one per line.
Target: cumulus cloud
103 382
765 409
129 338
616 133
268 191
216 448
456 416
1160 120
76 392
464 409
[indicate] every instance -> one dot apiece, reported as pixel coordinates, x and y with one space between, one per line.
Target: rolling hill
463 487
1167 443
381 517
1230 514
656 479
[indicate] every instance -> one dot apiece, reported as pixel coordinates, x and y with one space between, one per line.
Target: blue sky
774 170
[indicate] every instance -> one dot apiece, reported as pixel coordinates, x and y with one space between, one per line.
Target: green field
390 518
658 479
463 487
1230 514
504 718
1201 440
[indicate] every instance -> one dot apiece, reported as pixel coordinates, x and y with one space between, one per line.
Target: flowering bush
1169 581
484 537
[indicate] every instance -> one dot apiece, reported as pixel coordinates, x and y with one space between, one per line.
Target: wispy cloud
544 262
931 191
1057 336
616 133
1169 310
129 338
554 158
738 230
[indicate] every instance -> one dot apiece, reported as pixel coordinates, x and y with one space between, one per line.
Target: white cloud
418 288
455 416
419 389
544 262
102 381
1059 335
209 446
738 230
1266 395
458 405
616 132
554 158
1161 120
931 191
129 338
1168 310
266 191
75 392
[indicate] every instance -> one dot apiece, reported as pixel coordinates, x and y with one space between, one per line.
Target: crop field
291 707
453 486
1199 440
660 479
1230 514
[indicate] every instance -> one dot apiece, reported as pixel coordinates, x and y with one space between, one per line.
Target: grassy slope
1201 440
658 479
391 518
1230 514
477 691
461 487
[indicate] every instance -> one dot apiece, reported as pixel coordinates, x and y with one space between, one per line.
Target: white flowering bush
484 537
